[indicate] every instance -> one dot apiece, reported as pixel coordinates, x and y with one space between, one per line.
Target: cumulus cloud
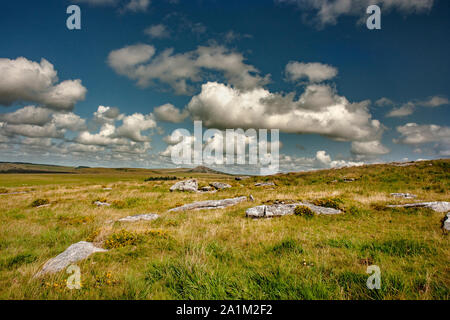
327 12
314 72
413 133
369 148
319 110
106 114
138 62
27 115
137 5
409 107
168 113
157 31
132 127
23 80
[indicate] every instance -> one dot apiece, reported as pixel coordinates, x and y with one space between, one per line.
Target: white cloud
157 31
314 72
413 133
25 80
138 62
369 148
402 111
69 121
169 113
409 107
384 102
319 110
137 5
132 127
107 114
327 12
27 115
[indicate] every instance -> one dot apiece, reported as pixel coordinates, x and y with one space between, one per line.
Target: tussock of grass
39 202
304 211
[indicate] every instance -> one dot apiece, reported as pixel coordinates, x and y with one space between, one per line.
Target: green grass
221 254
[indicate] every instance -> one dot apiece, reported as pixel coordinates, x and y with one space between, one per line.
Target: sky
117 92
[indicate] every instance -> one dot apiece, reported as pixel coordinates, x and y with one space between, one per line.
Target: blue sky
323 78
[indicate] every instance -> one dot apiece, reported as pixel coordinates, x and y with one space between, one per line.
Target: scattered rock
275 210
210 204
207 189
349 179
241 178
438 206
251 198
107 189
76 252
220 185
446 222
102 204
43 206
146 217
264 184
185 185
404 195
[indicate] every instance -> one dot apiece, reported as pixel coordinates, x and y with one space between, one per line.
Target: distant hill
203 169
24 167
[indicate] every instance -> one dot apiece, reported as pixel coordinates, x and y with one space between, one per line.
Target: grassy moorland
221 254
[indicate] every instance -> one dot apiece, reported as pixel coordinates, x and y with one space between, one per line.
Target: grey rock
76 252
146 217
404 195
207 189
107 189
446 222
185 185
438 206
102 204
277 210
220 185
251 198
264 184
349 179
241 178
210 204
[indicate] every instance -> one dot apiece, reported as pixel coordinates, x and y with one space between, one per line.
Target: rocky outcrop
76 252
210 204
438 206
185 185
220 185
277 210
404 195
146 217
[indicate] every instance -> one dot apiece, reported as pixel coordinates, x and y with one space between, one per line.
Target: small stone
102 204
185 185
220 185
264 184
251 198
146 217
404 195
241 178
446 222
76 252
